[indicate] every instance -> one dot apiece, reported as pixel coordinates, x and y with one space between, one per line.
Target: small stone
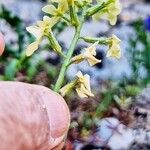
122 139
105 130
139 136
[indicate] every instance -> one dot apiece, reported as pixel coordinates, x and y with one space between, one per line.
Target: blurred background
118 117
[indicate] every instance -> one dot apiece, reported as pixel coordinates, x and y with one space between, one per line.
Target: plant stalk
65 65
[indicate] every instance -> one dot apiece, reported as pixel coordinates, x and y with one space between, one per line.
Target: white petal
87 81
32 48
35 31
50 9
80 93
51 21
92 48
79 74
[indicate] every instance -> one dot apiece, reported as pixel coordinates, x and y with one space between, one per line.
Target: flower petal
110 11
79 74
32 48
49 9
114 47
50 21
92 60
92 48
35 31
81 93
83 88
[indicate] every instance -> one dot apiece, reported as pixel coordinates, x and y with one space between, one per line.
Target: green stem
66 19
74 17
93 10
64 67
95 39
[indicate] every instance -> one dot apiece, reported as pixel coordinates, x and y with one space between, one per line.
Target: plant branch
67 60
66 63
96 39
66 19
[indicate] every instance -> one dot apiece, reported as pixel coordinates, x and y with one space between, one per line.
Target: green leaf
11 70
104 105
31 72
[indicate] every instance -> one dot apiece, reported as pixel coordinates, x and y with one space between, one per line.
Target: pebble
121 139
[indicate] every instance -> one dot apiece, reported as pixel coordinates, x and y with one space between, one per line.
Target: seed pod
31 117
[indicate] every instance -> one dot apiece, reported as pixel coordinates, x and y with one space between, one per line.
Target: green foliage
104 104
11 69
132 90
139 56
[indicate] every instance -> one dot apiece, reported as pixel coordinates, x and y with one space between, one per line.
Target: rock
121 139
140 136
137 136
112 134
31 117
142 140
143 100
141 110
105 130
148 138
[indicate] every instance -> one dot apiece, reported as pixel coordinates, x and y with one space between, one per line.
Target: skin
32 117
2 44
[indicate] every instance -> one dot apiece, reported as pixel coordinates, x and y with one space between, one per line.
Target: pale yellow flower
110 12
88 54
38 31
56 11
114 47
81 85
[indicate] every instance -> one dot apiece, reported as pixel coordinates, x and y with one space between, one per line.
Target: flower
38 31
81 85
88 55
57 12
110 12
114 47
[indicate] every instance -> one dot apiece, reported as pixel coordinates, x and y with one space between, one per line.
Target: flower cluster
39 31
110 12
82 83
75 13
